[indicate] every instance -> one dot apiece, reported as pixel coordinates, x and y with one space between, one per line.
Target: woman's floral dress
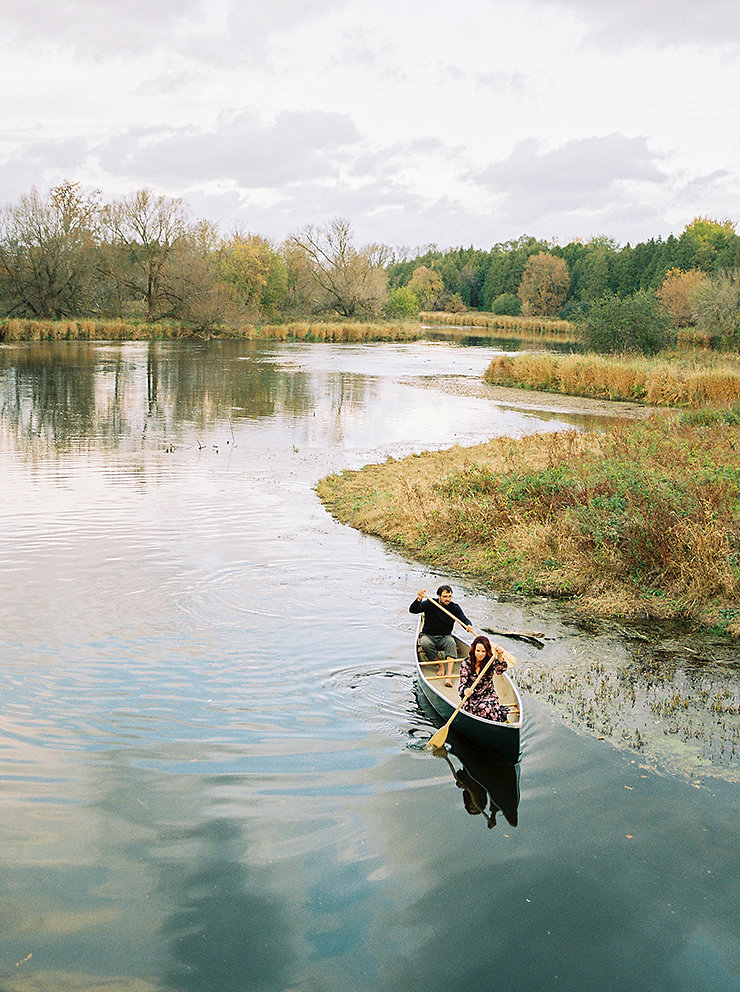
484 701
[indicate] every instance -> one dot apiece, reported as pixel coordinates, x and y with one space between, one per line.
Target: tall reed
517 326
676 381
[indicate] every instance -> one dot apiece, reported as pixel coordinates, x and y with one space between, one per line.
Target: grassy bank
94 330
119 330
641 521
336 331
680 380
520 327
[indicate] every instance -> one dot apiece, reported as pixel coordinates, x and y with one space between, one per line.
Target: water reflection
489 783
210 768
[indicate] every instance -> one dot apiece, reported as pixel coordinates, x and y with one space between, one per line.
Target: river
212 766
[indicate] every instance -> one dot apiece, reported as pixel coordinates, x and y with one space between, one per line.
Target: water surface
212 763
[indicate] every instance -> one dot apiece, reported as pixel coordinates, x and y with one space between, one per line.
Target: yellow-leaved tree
678 295
544 286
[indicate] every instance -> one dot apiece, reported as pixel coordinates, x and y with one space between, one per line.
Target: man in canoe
436 632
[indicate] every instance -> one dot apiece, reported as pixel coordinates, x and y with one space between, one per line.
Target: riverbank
505 325
295 330
679 379
640 521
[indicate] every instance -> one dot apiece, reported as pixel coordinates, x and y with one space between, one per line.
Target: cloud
297 146
219 33
583 171
613 23
100 29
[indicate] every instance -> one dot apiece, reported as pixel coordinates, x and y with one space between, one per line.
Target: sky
419 121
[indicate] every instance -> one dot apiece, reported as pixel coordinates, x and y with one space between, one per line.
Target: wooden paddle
437 739
452 615
508 658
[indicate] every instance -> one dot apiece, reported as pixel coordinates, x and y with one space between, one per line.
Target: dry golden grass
641 521
505 326
681 380
336 331
119 330
108 330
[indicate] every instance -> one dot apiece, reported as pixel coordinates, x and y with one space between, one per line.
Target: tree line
68 254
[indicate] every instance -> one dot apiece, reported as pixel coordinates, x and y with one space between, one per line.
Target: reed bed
642 520
108 330
337 331
522 327
120 330
681 381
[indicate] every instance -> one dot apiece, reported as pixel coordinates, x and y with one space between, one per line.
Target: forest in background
68 254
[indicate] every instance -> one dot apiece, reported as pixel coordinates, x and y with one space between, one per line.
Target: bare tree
349 281
47 247
146 232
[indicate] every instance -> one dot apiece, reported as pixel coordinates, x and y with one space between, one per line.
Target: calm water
212 763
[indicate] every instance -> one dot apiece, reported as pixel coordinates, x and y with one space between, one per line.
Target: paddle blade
438 739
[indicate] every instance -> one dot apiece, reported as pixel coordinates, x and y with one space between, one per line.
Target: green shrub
635 323
508 305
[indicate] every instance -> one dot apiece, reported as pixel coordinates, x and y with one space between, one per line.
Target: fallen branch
531 636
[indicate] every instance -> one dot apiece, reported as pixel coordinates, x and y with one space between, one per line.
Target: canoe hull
504 738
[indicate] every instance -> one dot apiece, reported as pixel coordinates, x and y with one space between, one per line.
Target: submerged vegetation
679 714
641 521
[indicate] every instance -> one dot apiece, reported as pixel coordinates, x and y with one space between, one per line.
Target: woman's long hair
489 651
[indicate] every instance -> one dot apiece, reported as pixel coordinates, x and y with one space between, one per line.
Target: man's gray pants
438 644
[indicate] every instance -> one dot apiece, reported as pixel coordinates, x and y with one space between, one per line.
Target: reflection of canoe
502 737
492 772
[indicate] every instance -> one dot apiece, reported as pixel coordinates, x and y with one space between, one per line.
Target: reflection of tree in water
70 393
229 932
47 391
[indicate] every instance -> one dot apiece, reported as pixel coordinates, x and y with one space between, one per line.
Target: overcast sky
420 121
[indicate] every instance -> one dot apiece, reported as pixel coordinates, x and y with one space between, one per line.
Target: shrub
508 304
402 302
635 323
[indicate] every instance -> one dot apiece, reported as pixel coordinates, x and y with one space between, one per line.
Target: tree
712 242
47 249
506 267
677 295
507 304
146 232
350 281
427 286
596 269
402 302
544 286
197 292
717 301
257 273
635 323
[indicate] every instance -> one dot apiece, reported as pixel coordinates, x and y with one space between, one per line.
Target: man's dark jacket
436 622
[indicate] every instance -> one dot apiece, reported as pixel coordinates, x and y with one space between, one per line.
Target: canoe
505 738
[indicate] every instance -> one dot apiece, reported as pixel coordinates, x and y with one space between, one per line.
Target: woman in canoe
483 700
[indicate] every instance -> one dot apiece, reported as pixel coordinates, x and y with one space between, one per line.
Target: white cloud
657 22
295 147
457 124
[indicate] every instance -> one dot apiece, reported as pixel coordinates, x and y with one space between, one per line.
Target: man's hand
470 630
421 594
